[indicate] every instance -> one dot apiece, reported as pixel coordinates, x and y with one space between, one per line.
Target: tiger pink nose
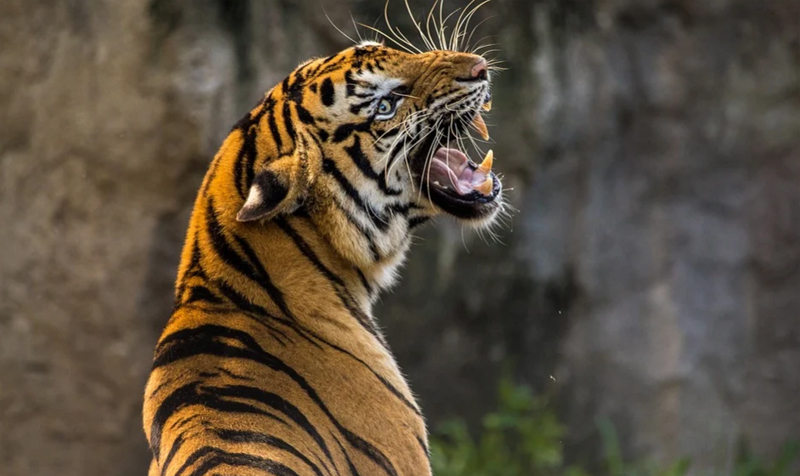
480 70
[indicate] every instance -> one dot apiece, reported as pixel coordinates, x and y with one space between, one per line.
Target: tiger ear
282 185
267 197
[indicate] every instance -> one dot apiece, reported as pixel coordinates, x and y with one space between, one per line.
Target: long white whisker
458 27
405 138
355 27
430 19
425 40
337 28
474 29
472 13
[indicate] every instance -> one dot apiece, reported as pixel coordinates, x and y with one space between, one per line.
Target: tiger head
369 143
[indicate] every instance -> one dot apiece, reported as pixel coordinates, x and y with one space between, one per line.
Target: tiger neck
285 268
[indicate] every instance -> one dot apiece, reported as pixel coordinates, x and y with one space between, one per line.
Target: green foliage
617 466
523 438
751 465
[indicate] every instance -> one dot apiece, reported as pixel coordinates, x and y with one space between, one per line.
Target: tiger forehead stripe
272 360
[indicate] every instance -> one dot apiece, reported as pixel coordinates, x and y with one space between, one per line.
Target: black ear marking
327 92
266 193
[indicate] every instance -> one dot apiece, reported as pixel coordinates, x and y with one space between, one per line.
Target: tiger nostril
480 70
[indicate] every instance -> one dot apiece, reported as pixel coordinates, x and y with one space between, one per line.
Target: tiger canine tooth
486 165
486 187
480 125
487 106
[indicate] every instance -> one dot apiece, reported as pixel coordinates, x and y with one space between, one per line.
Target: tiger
272 361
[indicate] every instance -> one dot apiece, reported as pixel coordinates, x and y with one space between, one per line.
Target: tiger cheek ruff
271 362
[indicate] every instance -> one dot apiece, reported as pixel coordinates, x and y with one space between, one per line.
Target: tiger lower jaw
461 188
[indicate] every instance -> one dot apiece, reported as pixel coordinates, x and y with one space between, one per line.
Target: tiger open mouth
460 186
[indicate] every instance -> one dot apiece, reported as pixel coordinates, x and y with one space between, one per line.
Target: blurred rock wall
650 276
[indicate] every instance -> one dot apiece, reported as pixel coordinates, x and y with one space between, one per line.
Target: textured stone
650 275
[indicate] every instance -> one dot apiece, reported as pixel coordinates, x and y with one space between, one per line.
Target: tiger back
272 362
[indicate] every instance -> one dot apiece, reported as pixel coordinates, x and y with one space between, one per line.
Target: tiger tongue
450 169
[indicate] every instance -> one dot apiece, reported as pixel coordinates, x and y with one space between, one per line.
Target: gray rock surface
650 276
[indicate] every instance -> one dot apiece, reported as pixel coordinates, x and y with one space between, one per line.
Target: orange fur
271 362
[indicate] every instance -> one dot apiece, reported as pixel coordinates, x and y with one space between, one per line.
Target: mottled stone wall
651 276
652 270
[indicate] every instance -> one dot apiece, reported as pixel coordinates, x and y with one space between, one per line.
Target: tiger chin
272 362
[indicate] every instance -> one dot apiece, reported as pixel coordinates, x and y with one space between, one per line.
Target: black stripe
262 316
373 247
253 270
379 134
250 159
288 122
273 128
220 457
206 340
195 269
346 130
425 449
337 283
224 248
176 446
327 93
202 294
306 250
357 154
350 465
329 166
195 456
207 344
238 168
452 101
417 221
183 423
348 301
280 404
364 281
190 395
233 375
265 281
253 437
369 450
356 108
304 116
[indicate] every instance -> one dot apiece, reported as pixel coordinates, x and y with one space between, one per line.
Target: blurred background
644 305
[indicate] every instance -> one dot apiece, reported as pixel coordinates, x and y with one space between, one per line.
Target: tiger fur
272 362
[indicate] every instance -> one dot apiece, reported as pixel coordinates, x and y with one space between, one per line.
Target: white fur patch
369 43
253 198
384 85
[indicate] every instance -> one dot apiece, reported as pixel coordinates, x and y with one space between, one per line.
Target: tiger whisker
397 41
449 43
425 40
355 27
471 14
426 170
430 19
474 29
410 117
458 28
337 28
